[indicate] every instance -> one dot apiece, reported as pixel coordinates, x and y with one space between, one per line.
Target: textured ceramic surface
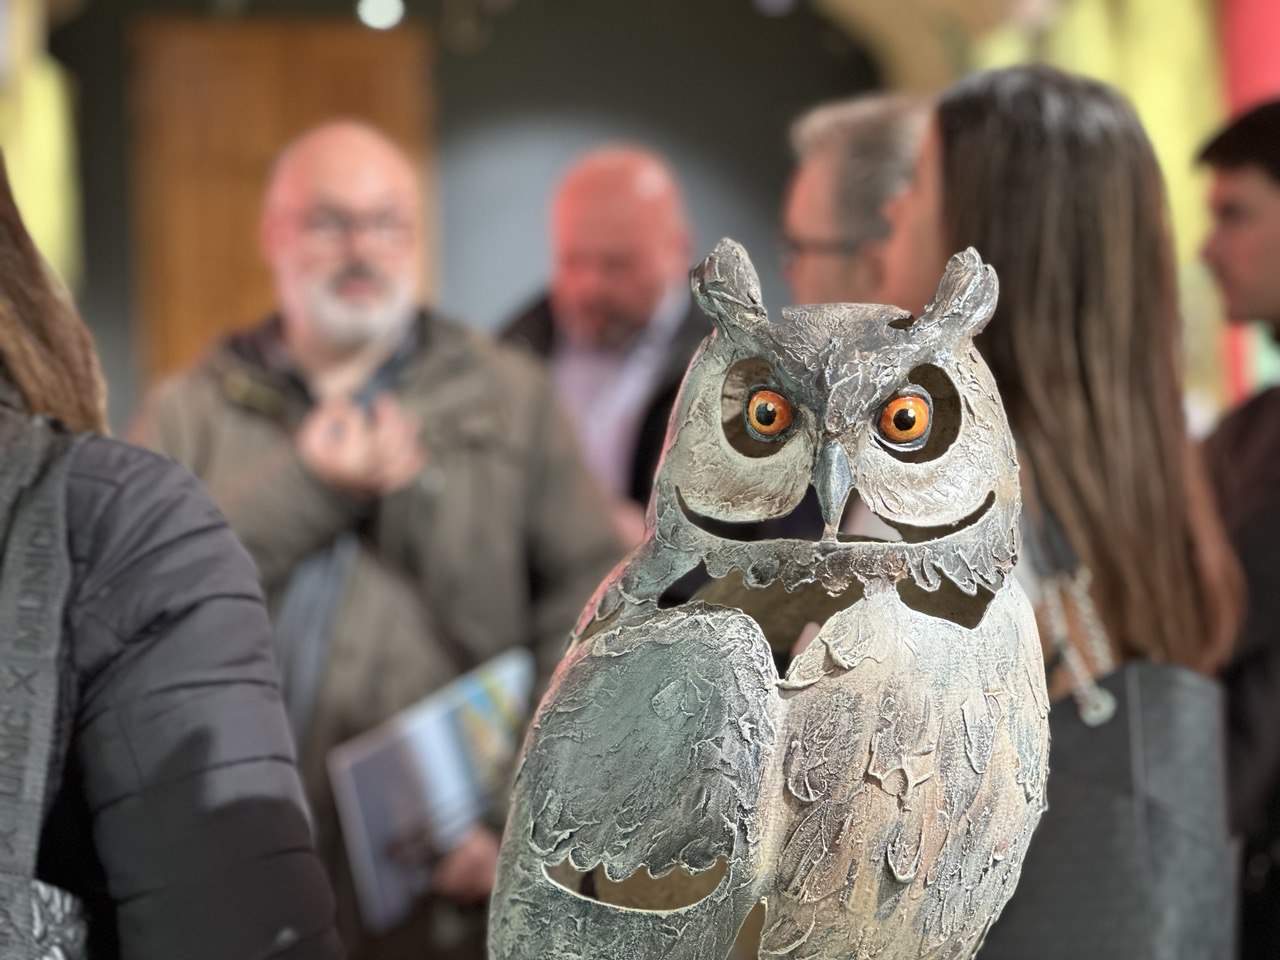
878 796
58 924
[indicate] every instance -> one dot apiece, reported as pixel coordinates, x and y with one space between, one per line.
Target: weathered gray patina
878 797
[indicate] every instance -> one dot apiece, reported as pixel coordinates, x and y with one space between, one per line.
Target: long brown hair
46 349
1051 177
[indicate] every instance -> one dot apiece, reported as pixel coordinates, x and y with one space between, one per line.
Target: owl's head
852 400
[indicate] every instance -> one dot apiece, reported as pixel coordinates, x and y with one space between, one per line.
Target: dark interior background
713 84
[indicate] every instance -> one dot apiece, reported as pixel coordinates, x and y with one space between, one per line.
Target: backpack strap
35 579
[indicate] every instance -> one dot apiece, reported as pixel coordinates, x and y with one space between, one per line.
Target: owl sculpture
874 797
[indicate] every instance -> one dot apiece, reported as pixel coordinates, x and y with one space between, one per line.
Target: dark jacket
1133 859
1243 456
535 329
175 812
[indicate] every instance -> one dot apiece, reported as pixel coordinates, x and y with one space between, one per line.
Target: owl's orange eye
905 419
768 414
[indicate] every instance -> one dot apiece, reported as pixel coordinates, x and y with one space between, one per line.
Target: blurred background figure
851 157
1243 251
408 489
148 768
139 133
1052 177
492 100
618 324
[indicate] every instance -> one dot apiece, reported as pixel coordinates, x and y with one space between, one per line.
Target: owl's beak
832 479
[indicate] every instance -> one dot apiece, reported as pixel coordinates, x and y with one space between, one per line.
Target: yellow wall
1163 54
38 138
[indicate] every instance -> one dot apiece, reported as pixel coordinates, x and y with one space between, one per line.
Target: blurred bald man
407 487
618 325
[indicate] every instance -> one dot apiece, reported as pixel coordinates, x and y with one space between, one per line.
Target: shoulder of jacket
511 368
108 463
1264 403
120 494
532 327
203 379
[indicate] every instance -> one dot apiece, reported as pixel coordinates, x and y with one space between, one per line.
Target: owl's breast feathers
880 798
914 773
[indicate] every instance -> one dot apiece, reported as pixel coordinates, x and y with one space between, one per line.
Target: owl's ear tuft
727 288
966 296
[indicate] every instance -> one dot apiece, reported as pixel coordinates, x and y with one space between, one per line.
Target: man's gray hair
873 140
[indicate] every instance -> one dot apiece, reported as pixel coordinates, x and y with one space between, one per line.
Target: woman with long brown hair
149 806
1053 180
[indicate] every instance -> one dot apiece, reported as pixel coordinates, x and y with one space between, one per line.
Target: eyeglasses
329 228
790 248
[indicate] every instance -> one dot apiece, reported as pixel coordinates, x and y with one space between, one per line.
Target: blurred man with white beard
408 489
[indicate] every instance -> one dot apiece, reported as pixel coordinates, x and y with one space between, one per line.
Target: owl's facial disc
761 422
900 436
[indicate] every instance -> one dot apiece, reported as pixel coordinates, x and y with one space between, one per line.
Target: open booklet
417 782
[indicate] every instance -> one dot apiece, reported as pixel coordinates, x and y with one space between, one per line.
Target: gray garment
37 921
1132 860
304 623
312 599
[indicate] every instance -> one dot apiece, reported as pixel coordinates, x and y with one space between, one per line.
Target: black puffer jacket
175 811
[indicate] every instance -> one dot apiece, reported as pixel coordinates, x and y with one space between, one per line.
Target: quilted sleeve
187 768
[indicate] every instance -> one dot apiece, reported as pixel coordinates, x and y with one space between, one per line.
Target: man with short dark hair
1243 250
1243 454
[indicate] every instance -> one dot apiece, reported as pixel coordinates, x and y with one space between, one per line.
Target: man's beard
347 324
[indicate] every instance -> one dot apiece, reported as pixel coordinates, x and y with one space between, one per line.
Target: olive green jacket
499 544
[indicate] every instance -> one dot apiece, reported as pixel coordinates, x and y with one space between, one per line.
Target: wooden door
213 101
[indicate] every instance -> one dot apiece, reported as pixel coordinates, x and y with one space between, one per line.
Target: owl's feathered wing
649 751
